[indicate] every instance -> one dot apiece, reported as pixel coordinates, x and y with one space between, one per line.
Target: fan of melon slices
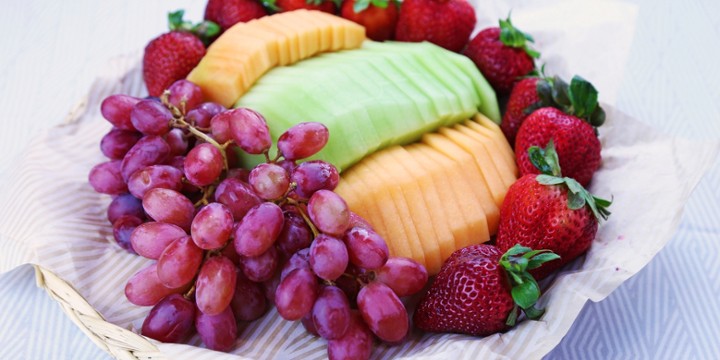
412 125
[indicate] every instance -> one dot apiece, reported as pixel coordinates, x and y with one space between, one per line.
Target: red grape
300 259
262 267
179 262
212 226
308 324
151 117
404 276
203 164
145 289
185 95
171 320
328 257
249 130
220 127
215 285
303 140
331 313
296 294
249 302
366 248
116 143
125 204
383 312
357 221
122 228
356 344
169 206
217 332
177 141
238 196
315 175
258 230
106 178
269 181
295 234
155 176
329 212
151 238
116 109
150 150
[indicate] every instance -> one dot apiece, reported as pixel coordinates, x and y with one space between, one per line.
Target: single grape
217 332
314 175
116 143
356 344
116 109
383 312
230 253
269 181
238 196
171 320
151 238
295 234
179 262
269 287
150 150
185 95
220 127
366 248
238 174
151 117
358 221
257 231
262 267
125 204
309 325
329 212
331 313
249 302
303 140
178 162
155 176
106 178
212 108
328 257
296 294
212 226
122 228
404 276
169 206
177 141
144 288
349 283
300 259
215 285
203 164
288 165
249 130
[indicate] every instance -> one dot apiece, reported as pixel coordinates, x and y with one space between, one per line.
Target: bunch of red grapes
227 242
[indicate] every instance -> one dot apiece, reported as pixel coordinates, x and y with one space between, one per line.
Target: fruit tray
61 228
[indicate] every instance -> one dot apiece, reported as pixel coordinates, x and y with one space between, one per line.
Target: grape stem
207 192
305 216
206 138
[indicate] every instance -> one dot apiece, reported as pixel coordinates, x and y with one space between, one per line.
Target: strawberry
502 55
550 212
227 13
171 56
379 17
327 6
447 23
532 93
479 291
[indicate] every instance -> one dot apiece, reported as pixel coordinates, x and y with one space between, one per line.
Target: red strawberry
327 6
171 56
575 141
379 17
479 289
550 212
447 23
227 13
530 94
502 55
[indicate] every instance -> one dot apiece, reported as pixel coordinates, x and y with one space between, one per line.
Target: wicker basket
121 343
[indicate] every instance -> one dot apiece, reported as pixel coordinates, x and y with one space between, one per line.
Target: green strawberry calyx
546 160
513 37
360 5
206 31
525 291
579 98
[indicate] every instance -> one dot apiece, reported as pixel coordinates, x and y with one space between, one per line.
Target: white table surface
50 52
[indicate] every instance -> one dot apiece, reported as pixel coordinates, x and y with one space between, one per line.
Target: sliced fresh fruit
233 63
485 126
506 169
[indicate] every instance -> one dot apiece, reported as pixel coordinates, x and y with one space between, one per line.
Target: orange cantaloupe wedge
246 51
484 125
507 170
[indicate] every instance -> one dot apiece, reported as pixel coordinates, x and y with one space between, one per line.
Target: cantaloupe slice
507 170
401 206
472 172
282 39
419 211
490 127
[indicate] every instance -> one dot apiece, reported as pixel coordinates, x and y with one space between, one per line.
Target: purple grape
295 234
177 141
116 109
151 238
212 226
303 140
269 287
249 302
179 262
257 231
296 294
155 176
123 228
300 259
309 325
288 165
215 285
329 212
185 95
383 312
404 276
249 130
144 288
198 118
220 127
169 206
106 178
269 181
116 143
315 175
150 150
125 204
171 320
262 267
217 332
212 108
238 196
331 313
358 221
203 164
328 257
151 117
366 248
356 344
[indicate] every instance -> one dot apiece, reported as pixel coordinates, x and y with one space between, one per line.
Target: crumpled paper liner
53 218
